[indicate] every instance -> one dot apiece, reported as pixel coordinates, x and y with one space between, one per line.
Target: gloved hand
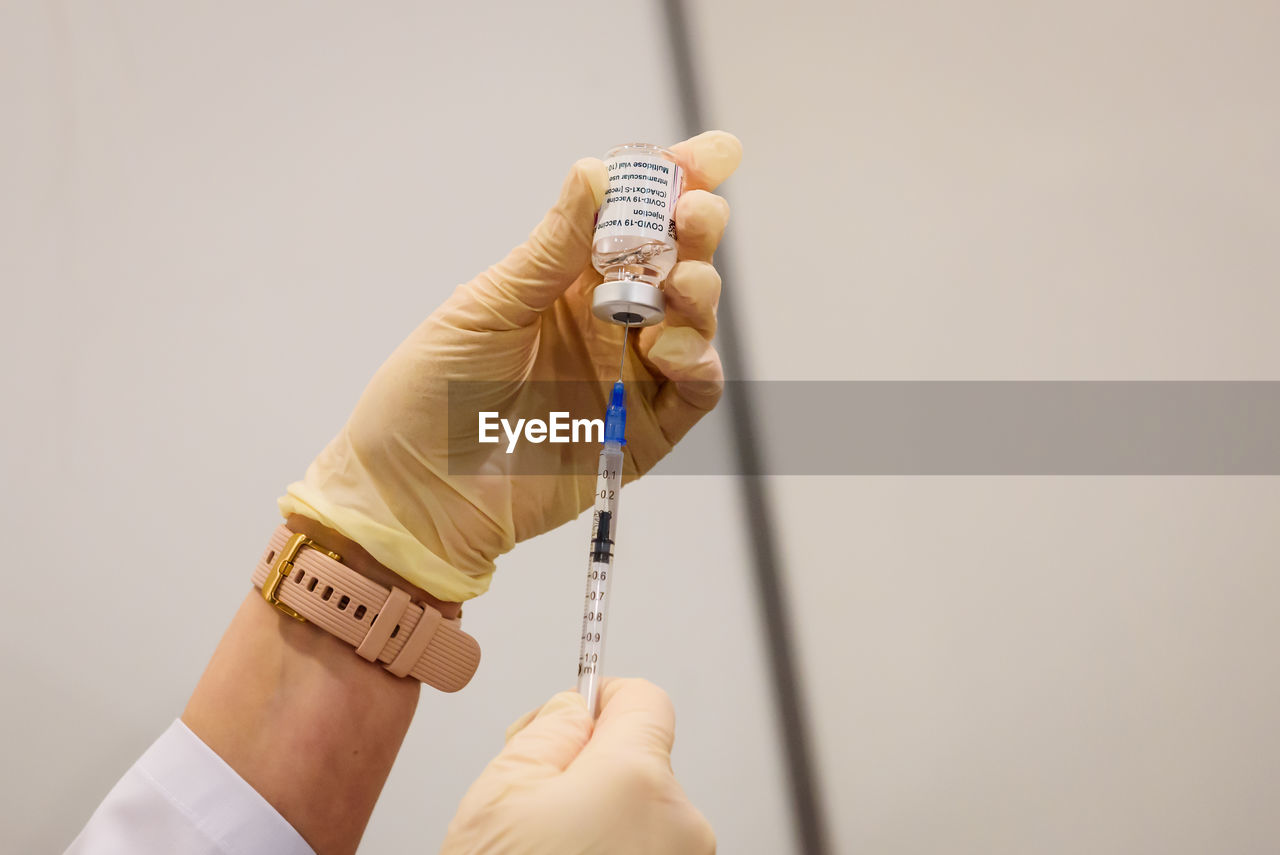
385 481
558 788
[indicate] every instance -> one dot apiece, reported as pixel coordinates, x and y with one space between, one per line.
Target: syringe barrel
604 533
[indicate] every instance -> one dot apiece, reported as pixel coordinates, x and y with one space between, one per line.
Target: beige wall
1003 190
941 191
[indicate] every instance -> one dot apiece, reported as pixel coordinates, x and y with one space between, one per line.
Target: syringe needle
626 329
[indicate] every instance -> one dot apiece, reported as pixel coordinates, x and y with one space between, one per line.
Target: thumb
549 743
538 271
635 715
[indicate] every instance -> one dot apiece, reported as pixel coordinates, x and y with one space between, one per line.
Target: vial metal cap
628 301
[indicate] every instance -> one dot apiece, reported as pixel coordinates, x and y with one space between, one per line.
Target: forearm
307 723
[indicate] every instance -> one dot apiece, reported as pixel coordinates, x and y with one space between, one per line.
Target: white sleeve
181 798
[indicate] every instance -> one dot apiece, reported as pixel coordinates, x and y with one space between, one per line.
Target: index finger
708 159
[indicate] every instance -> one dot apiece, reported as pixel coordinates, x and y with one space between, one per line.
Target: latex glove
384 481
558 788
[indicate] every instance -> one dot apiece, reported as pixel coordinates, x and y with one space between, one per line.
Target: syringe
604 531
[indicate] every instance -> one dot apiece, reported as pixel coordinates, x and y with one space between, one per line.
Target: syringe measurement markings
604 527
602 558
601 562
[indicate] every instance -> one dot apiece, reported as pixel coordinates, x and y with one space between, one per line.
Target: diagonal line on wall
806 806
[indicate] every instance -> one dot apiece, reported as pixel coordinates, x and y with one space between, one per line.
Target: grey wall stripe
806 804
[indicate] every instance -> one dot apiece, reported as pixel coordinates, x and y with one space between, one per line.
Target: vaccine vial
634 245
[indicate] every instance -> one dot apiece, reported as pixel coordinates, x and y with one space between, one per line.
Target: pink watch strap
383 624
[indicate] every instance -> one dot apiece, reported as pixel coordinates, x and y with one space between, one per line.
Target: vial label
641 199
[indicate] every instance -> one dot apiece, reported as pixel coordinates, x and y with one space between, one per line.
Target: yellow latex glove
560 788
384 481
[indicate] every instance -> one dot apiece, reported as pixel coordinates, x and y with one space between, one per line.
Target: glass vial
634 246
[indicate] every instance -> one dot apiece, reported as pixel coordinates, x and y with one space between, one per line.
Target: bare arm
307 723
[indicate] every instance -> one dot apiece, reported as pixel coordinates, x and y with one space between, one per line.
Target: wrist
384 623
356 557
